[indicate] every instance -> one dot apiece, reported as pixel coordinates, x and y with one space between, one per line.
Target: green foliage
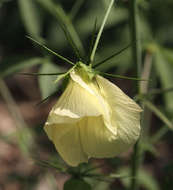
144 178
15 64
76 184
47 83
57 11
50 51
32 22
164 70
159 114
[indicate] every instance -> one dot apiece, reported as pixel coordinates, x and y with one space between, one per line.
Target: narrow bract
92 118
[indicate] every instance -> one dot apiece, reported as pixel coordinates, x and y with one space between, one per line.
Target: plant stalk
136 53
100 32
135 37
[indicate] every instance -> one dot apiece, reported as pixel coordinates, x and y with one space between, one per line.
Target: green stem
136 51
100 32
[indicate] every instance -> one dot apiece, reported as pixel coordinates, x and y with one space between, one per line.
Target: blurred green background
23 143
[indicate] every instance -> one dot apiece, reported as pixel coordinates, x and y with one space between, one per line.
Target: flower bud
92 118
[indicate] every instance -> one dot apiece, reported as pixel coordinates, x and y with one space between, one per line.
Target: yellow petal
125 115
66 138
92 87
102 136
97 140
75 103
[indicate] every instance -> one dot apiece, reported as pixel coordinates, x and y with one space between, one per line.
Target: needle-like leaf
51 51
122 77
93 38
112 56
42 74
45 99
159 114
100 32
71 42
160 91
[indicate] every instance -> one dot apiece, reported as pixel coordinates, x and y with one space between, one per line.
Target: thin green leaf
144 178
147 146
164 70
93 38
119 176
160 91
100 32
12 65
64 74
24 136
46 83
112 56
71 42
116 17
61 77
45 99
40 74
77 5
159 114
159 134
57 11
52 52
168 54
49 164
91 169
122 77
148 95
30 16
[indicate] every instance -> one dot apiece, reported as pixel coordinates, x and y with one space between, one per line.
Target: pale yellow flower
92 118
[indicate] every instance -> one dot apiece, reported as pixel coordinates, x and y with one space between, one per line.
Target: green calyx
85 71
